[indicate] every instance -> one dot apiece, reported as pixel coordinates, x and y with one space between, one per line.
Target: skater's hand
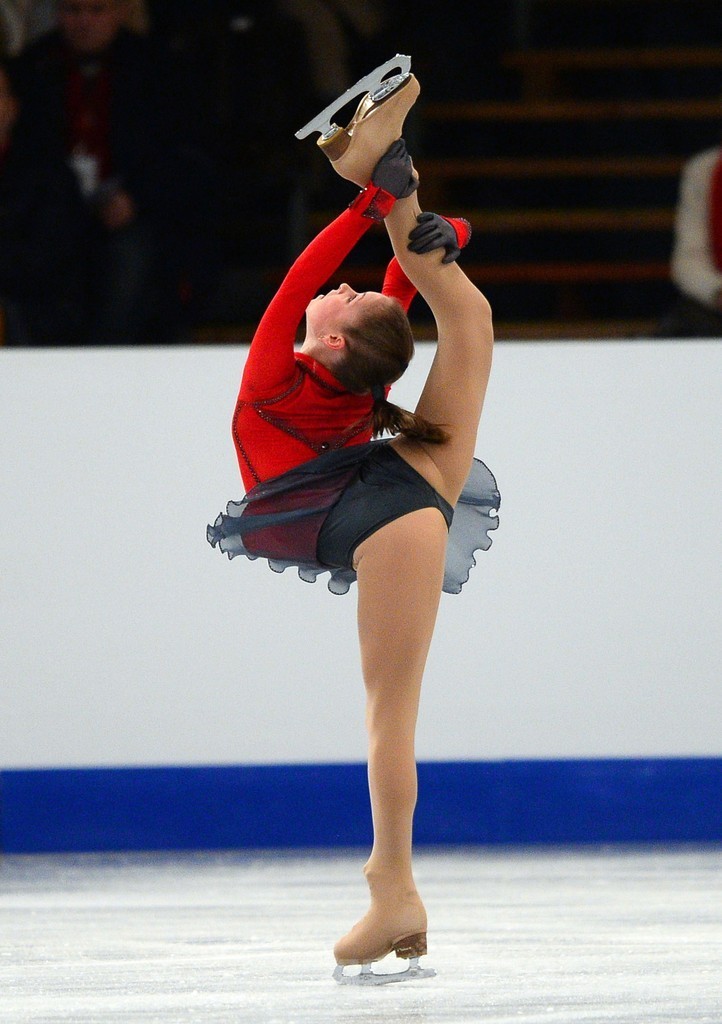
436 232
395 173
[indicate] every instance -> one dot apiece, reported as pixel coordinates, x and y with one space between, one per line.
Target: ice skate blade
372 83
367 976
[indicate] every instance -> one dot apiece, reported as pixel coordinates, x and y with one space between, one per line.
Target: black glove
394 172
436 232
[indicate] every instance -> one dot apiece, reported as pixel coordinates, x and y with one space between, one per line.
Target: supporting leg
400 571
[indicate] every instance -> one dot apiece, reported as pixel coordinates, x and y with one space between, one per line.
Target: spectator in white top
696 267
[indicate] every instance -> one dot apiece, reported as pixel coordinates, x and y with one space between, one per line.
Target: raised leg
453 394
400 571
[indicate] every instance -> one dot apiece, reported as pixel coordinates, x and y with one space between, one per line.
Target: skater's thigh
400 572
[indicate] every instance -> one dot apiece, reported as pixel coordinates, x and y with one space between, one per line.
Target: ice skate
410 948
378 121
381 932
367 976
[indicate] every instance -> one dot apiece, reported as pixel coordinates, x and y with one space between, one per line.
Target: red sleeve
270 365
397 284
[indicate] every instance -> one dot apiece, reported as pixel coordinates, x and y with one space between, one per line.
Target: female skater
324 497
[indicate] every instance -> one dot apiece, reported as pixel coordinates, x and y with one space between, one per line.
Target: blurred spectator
117 109
250 65
22 21
136 16
41 278
41 17
332 30
478 31
696 268
12 27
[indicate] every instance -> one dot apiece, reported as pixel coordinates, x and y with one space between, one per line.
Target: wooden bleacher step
504 330
573 110
573 272
541 70
561 220
432 169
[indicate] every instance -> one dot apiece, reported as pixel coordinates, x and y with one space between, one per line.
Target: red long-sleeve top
290 408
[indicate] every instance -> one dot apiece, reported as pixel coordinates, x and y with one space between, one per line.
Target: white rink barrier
588 634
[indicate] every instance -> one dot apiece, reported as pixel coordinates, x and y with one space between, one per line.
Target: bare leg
453 394
400 571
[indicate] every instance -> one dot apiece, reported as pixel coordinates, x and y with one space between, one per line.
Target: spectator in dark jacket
113 106
41 239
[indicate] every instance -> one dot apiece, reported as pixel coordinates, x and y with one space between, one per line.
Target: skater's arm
397 285
271 363
451 234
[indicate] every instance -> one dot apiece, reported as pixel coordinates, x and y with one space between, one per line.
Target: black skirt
281 519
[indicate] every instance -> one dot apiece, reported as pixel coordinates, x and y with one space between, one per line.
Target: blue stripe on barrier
215 807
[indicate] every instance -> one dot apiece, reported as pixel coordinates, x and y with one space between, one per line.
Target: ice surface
579 936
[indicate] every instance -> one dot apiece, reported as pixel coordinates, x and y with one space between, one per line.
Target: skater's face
90 26
342 308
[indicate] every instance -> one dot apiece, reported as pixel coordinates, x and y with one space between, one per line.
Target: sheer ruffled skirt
280 519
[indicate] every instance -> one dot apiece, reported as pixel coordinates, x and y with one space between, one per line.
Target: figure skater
402 516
